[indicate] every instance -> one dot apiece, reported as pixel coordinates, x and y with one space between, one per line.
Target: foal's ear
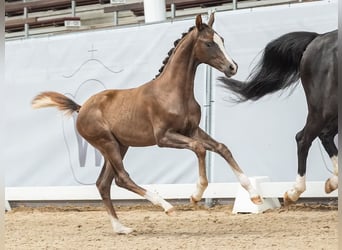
211 19
199 22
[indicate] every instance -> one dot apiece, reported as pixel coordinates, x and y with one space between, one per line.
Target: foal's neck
179 72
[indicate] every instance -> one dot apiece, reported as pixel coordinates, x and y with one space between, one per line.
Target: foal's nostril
233 68
235 65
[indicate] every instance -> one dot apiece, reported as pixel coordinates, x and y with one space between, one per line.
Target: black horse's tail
277 69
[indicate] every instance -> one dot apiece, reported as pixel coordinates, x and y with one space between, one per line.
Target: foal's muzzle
231 70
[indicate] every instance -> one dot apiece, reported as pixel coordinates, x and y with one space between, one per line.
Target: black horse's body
312 58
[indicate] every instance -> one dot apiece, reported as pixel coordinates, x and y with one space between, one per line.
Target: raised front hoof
330 185
287 200
124 230
171 211
257 200
193 200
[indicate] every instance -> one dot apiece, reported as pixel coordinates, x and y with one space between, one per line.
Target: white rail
167 191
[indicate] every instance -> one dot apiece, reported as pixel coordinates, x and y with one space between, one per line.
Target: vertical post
173 11
73 8
116 18
26 25
2 79
209 123
155 10
234 4
208 126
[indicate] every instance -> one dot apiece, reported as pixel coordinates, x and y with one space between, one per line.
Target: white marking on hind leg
332 183
118 227
334 160
158 200
297 189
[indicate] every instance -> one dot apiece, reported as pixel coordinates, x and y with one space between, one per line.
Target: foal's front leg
220 148
176 140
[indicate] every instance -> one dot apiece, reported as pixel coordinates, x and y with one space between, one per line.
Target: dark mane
171 50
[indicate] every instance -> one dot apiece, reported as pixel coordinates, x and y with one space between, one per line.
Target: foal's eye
209 44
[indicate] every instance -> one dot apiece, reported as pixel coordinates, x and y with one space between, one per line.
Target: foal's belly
131 126
134 134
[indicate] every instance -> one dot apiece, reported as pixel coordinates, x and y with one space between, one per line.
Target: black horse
312 58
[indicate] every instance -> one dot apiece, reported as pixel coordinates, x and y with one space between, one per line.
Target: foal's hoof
193 200
124 230
331 184
257 200
287 200
171 212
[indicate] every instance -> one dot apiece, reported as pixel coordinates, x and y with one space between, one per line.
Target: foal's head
209 48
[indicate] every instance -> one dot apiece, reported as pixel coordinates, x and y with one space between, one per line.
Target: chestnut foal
161 112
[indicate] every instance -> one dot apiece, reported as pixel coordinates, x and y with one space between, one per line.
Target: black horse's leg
327 139
304 138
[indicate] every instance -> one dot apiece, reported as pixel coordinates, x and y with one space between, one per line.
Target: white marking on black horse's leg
334 160
158 200
332 183
299 187
118 227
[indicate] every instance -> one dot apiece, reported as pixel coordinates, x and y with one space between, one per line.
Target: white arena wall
44 159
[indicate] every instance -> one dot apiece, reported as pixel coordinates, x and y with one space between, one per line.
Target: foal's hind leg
114 152
123 180
212 145
327 139
103 184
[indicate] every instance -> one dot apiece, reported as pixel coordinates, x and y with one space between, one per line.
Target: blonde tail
54 99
